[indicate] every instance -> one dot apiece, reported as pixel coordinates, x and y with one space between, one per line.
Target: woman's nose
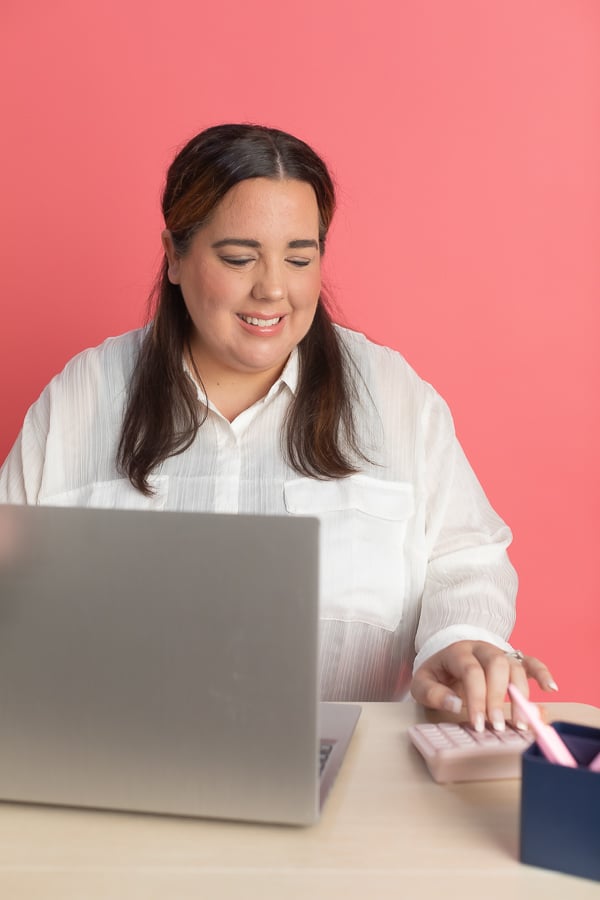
269 284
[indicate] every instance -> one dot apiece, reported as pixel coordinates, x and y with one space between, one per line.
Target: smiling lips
260 323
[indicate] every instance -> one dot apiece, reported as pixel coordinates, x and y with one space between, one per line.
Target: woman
242 396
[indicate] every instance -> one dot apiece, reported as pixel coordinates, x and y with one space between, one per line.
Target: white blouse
413 557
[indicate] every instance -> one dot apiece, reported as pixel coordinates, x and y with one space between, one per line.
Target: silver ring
517 655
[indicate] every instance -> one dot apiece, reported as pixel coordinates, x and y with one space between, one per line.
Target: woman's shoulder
119 349
93 379
356 342
389 380
110 362
368 356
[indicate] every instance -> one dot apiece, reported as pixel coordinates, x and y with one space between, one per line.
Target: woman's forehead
261 201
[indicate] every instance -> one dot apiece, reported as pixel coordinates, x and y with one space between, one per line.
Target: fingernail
551 686
521 726
452 703
498 720
479 724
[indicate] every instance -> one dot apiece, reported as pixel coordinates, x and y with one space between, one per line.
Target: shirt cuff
442 639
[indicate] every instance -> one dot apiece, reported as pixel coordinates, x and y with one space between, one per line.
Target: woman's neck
229 391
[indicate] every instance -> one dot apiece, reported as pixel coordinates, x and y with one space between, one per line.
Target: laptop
164 662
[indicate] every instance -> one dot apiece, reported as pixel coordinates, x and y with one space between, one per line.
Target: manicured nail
551 686
521 726
498 720
479 724
452 703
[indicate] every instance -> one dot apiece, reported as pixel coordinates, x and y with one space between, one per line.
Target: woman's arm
468 604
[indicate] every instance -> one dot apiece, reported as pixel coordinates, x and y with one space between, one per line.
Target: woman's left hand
476 674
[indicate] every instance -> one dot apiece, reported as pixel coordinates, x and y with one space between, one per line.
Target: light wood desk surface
387 830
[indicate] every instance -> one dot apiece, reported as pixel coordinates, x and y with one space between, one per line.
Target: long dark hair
163 414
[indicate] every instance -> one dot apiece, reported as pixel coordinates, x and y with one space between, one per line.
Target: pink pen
594 766
547 738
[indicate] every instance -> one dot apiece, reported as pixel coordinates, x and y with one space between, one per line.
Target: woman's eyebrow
247 242
295 245
238 242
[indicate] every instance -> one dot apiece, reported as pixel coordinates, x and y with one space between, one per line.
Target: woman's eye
300 262
238 261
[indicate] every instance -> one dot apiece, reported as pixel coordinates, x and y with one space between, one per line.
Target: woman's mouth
261 323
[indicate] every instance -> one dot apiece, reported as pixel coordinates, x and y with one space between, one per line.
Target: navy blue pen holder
560 806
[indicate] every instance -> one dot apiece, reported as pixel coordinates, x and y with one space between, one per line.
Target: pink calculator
456 752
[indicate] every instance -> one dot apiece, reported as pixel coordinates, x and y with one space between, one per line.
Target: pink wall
465 139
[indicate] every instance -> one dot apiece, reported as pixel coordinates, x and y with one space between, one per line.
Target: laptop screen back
161 662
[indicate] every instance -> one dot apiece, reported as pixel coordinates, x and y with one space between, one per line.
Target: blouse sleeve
22 472
470 585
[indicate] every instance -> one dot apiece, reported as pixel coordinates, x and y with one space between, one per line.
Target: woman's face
251 278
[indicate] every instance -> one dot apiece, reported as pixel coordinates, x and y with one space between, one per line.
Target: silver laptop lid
161 662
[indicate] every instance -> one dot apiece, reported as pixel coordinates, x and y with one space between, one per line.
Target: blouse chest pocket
363 562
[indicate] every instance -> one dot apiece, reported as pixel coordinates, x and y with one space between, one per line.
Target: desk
387 830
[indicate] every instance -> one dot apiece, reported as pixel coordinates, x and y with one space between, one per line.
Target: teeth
262 323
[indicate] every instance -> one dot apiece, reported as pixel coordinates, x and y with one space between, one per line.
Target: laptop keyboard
324 754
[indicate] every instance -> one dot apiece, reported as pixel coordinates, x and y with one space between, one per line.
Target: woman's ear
173 259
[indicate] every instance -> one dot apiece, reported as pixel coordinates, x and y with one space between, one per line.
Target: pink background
465 140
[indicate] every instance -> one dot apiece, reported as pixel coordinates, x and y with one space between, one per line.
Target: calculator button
513 737
488 737
463 738
438 740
